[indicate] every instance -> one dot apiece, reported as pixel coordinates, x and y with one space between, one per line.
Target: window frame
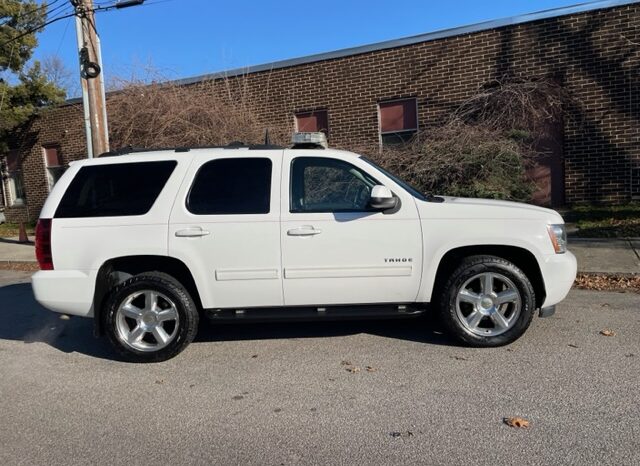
203 165
311 112
50 168
323 211
381 133
15 178
60 213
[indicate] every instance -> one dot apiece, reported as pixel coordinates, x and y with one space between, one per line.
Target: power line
156 2
64 34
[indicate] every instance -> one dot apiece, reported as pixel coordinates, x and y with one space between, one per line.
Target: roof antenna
267 141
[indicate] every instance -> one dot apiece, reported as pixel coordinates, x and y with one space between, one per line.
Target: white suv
147 243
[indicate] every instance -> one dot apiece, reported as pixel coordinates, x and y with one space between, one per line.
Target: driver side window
320 184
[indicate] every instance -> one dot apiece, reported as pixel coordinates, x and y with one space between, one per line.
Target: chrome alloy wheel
488 304
147 321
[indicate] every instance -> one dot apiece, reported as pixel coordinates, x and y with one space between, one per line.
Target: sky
181 38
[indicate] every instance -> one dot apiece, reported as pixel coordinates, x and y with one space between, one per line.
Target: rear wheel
487 301
150 318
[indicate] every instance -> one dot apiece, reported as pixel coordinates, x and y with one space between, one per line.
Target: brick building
384 92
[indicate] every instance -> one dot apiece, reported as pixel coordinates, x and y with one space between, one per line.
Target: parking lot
383 392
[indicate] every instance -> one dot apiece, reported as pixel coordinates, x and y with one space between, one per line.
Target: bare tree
56 71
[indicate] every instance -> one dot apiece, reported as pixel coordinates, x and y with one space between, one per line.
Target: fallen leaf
518 422
571 345
371 369
396 434
254 356
353 369
600 282
607 333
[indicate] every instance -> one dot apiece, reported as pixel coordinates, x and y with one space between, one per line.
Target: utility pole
91 76
92 80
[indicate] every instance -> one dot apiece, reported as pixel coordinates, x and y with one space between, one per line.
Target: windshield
413 191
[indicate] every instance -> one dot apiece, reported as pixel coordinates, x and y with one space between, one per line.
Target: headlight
558 235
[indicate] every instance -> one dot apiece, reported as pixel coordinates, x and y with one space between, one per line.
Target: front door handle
191 233
306 230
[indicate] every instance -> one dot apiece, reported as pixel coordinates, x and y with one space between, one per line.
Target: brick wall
594 54
62 126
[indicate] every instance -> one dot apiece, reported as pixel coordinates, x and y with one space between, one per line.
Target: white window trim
14 200
381 133
49 176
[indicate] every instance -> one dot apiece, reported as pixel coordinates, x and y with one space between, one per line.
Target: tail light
43 244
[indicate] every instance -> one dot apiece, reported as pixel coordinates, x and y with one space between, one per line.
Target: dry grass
20 266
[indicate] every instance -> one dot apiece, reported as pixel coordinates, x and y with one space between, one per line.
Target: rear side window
231 186
116 190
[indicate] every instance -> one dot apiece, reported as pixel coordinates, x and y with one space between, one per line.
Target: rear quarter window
115 190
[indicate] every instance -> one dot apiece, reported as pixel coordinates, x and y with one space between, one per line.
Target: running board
367 311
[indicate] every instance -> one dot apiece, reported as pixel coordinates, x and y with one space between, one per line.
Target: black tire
469 268
185 327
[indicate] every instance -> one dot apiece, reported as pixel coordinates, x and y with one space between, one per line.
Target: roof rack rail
234 145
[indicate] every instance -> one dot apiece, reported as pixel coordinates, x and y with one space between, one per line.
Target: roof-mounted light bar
309 141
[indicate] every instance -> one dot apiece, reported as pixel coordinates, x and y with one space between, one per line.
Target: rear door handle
306 230
191 233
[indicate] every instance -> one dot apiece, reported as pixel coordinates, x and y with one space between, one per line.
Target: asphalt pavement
281 393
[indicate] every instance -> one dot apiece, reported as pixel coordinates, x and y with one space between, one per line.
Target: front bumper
559 272
65 291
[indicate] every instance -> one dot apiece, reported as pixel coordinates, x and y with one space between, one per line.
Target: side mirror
382 198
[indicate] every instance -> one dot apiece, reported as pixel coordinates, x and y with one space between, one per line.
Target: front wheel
487 301
150 318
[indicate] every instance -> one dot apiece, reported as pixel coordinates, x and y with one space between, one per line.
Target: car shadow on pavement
423 329
23 319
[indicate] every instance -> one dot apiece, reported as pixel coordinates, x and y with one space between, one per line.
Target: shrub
170 115
460 160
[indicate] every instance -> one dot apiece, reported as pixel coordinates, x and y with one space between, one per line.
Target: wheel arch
118 269
524 259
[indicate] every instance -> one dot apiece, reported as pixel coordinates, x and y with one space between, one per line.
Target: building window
398 121
312 122
53 164
15 182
